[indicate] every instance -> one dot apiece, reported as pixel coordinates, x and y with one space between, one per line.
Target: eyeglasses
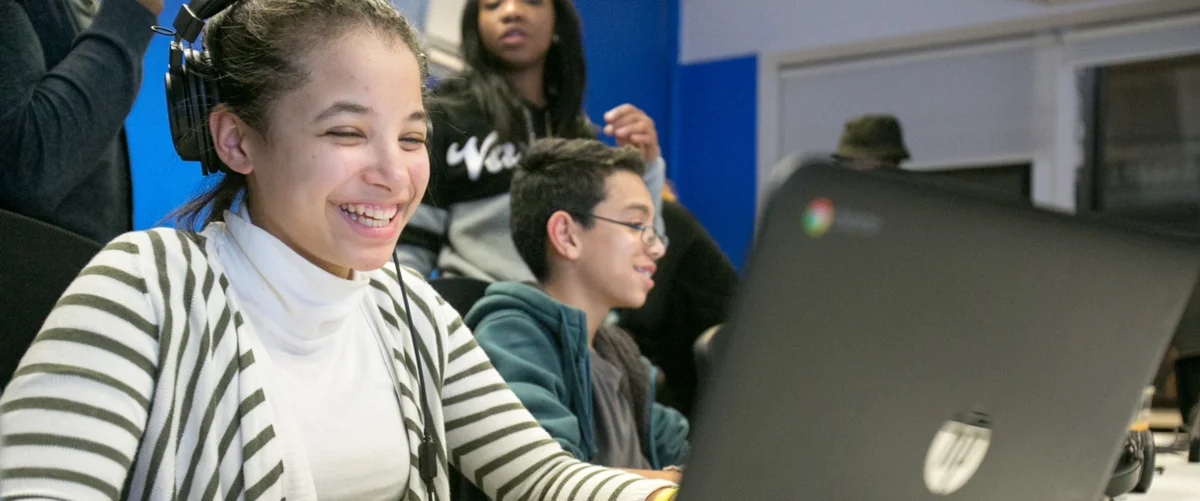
649 235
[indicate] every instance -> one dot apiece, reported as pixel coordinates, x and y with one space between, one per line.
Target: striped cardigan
142 386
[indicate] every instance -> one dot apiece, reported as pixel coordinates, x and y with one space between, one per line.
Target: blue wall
705 113
715 148
631 47
161 181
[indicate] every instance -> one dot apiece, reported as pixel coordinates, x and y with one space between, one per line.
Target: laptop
899 341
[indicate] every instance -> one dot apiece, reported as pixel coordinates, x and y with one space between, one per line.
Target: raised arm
55 122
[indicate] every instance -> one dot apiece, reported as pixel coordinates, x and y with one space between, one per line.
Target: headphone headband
187 24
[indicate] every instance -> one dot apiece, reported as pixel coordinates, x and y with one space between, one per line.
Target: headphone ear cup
190 98
191 104
178 101
191 85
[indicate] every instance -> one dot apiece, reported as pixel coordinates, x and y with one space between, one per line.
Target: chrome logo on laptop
819 217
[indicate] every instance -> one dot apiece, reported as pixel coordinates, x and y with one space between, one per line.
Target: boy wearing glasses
582 219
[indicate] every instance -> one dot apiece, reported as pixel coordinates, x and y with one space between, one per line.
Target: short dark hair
561 175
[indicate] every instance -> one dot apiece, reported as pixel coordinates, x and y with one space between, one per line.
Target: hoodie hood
507 296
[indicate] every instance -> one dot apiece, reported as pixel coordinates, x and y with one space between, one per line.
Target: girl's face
518 32
343 165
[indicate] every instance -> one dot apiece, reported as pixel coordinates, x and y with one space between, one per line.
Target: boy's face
614 259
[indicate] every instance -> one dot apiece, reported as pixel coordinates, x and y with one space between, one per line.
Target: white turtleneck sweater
338 409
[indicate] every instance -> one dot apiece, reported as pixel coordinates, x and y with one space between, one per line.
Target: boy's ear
562 236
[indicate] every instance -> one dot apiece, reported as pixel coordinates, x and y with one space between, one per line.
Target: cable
427 451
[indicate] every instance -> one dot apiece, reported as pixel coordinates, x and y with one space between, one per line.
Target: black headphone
191 95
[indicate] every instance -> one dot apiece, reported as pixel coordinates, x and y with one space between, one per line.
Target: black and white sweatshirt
462 225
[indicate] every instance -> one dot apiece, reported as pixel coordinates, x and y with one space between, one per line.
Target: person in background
276 354
581 217
868 142
69 73
694 289
872 142
524 80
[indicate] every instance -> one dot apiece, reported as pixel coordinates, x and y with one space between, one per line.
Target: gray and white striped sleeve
76 409
499 446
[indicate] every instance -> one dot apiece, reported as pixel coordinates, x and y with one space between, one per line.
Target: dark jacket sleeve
708 280
56 121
